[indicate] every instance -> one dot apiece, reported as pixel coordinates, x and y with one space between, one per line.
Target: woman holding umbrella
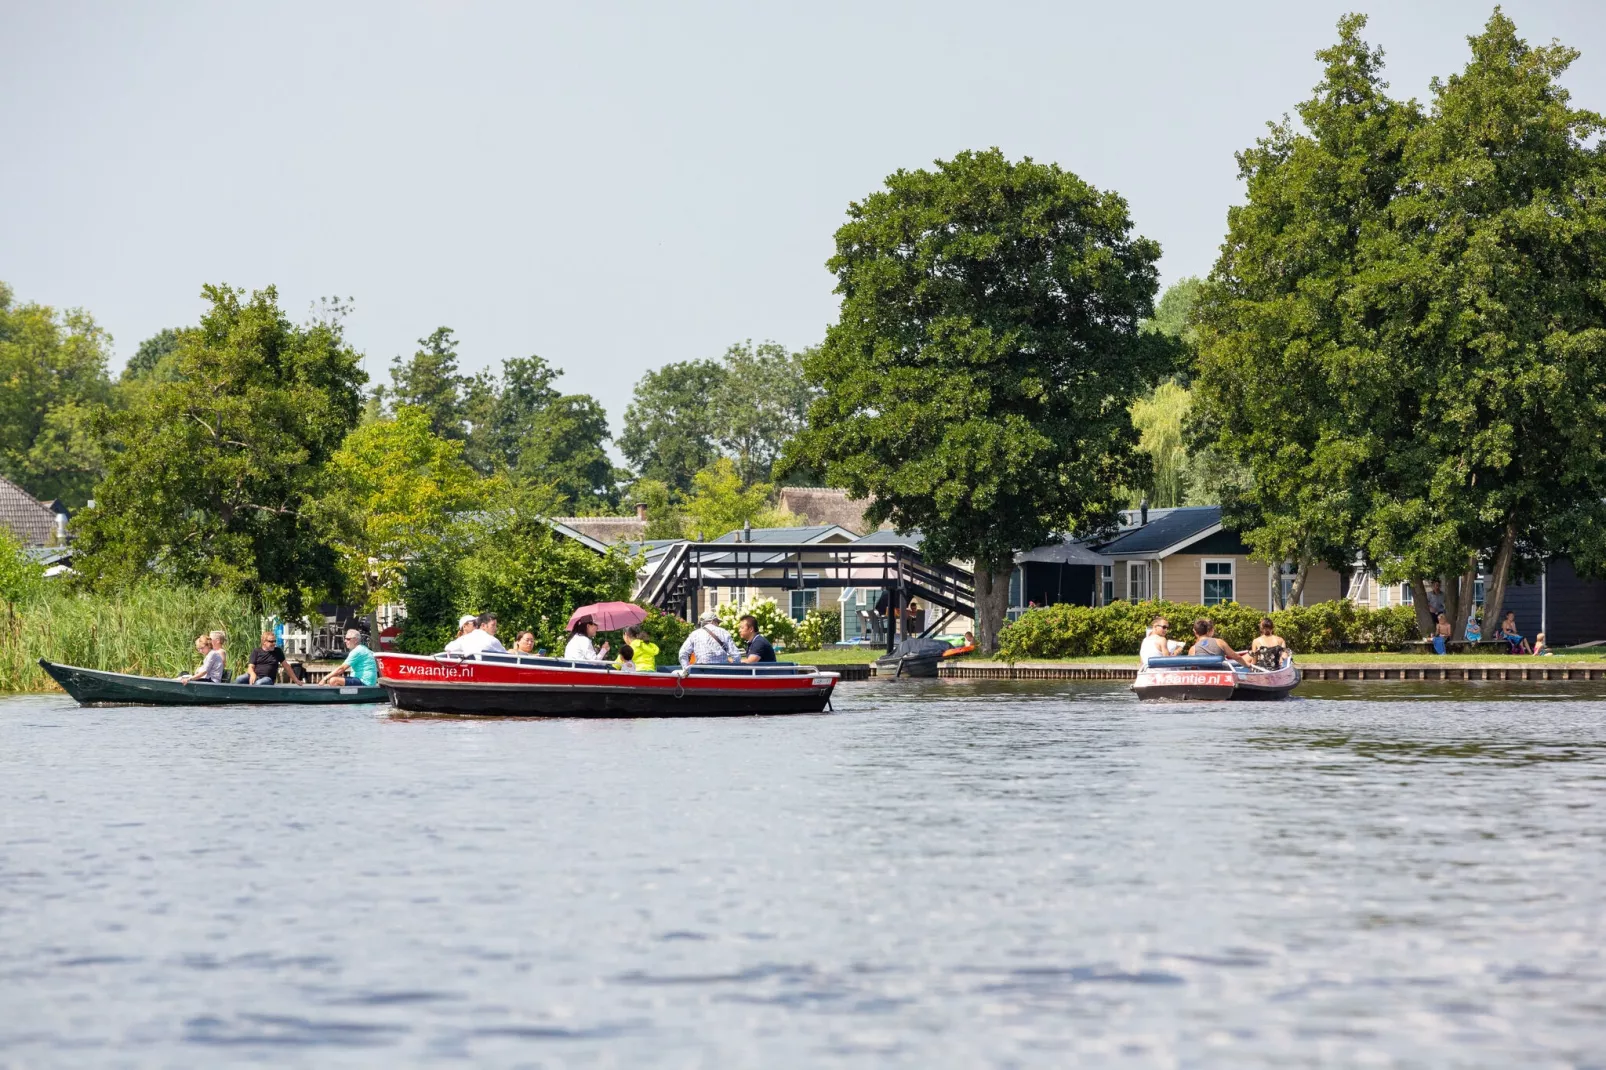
585 622
580 647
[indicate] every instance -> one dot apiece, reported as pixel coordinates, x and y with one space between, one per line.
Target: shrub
773 624
1067 631
819 627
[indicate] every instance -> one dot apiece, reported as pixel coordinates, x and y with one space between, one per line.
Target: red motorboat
526 686
1211 679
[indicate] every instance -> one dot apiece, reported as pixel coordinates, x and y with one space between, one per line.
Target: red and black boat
527 686
1209 678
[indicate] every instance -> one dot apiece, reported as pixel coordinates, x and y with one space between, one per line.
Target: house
606 529
1186 555
30 521
796 602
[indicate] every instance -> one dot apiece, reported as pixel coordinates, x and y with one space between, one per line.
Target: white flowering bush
773 624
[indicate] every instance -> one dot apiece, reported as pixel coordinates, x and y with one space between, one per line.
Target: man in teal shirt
359 668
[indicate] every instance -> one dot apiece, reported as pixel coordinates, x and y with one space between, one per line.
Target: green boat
92 687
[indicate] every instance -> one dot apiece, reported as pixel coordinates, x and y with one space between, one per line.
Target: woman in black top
1206 643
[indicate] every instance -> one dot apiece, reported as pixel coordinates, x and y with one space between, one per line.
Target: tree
213 470
671 431
761 403
430 381
720 503
1497 316
52 379
564 451
153 358
391 493
1159 417
1173 314
506 411
977 382
664 520
1291 385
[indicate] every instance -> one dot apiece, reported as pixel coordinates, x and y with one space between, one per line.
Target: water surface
945 873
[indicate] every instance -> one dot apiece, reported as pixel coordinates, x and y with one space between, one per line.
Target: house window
1407 595
802 602
1217 582
1137 581
1288 574
1108 575
1017 587
1477 591
1383 591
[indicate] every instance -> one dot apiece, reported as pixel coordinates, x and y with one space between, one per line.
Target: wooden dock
1532 670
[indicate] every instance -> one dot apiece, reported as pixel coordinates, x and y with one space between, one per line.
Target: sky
617 186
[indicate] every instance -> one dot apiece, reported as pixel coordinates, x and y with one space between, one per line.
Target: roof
31 521
1167 531
812 533
824 505
578 536
891 538
605 528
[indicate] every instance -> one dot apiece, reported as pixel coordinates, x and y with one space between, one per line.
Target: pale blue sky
615 186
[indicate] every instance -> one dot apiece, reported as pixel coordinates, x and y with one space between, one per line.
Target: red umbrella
609 615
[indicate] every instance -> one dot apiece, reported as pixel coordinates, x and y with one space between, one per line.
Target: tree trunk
992 606
1494 593
1424 616
1468 591
1296 590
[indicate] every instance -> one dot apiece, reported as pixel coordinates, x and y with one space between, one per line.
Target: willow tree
976 384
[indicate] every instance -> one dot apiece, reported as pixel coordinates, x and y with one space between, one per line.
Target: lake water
944 873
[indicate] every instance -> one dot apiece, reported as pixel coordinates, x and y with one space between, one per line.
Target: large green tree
213 470
430 381
671 429
977 382
1291 385
390 493
564 450
52 381
762 402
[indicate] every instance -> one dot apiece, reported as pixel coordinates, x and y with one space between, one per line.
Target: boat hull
1211 680
547 687
94 687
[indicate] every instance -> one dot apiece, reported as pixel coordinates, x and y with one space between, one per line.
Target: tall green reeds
148 630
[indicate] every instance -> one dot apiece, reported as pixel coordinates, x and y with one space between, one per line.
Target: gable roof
1167 532
31 521
888 537
812 533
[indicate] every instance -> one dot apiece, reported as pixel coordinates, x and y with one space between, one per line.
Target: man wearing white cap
467 625
482 639
708 643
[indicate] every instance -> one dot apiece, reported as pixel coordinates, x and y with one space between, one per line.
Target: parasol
609 615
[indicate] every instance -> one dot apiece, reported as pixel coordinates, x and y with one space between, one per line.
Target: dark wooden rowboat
92 687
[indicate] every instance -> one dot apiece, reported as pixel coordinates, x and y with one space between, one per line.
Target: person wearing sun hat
708 643
466 625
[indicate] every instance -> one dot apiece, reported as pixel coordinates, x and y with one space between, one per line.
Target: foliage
430 382
504 411
153 361
720 503
213 470
820 627
147 628
664 629
1159 417
390 493
670 426
976 384
511 563
563 451
664 520
773 622
762 403
52 379
1070 631
1173 313
21 578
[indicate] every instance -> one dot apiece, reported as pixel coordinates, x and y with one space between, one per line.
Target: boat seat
1189 661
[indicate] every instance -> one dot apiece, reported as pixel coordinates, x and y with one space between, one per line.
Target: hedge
1069 631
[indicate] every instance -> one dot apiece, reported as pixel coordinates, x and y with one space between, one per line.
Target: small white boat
1212 679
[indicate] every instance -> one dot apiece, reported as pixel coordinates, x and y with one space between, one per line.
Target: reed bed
148 630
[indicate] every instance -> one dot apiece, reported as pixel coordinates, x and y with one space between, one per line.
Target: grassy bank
147 630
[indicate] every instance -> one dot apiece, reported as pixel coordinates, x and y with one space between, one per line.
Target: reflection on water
945 873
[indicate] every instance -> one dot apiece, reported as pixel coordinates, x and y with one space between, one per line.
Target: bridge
688 567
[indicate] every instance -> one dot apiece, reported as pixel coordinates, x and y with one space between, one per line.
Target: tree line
1395 361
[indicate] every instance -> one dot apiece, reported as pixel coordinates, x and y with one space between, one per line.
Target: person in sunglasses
1156 644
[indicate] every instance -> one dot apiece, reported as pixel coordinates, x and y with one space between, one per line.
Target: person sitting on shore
1207 645
211 670
646 651
967 647
708 643
1543 649
1156 644
581 647
758 647
1515 642
1474 632
467 625
525 643
264 663
1442 634
359 668
1268 648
